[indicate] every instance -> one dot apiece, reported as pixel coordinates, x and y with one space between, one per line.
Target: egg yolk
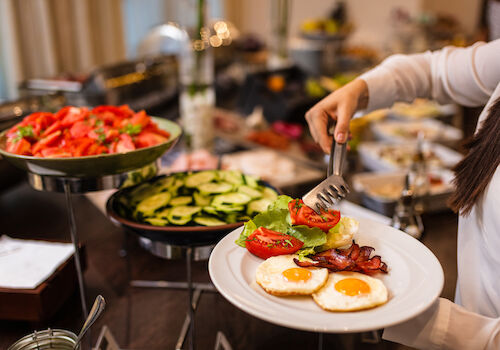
297 274
352 287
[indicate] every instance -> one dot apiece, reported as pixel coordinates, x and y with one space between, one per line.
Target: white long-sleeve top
471 77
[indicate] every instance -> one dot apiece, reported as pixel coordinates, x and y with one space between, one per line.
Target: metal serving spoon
95 312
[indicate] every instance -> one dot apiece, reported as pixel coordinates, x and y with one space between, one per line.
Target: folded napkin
26 263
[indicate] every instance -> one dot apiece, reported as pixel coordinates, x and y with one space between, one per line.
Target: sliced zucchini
208 221
210 210
231 199
162 214
156 221
182 200
149 205
231 218
140 193
249 191
229 208
232 176
196 179
251 181
214 188
258 206
164 183
269 193
181 215
184 211
201 200
176 185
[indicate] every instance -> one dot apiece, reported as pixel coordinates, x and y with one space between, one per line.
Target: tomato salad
79 131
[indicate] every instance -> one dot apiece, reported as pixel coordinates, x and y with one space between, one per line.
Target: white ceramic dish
369 153
414 281
401 131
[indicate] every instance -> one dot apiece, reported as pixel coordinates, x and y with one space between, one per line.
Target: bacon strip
354 258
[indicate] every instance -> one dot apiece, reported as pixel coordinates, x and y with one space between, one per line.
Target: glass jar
197 95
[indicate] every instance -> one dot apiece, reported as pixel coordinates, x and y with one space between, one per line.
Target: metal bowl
173 235
98 165
55 339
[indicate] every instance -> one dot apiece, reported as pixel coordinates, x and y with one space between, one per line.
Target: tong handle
337 157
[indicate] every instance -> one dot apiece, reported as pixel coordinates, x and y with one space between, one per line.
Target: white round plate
414 281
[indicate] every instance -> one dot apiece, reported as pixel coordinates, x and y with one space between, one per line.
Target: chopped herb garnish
287 241
99 122
24 131
101 137
324 218
131 129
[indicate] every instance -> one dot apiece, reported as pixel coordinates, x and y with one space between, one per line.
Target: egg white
269 276
330 299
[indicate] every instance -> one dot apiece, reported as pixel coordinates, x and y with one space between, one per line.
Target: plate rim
416 310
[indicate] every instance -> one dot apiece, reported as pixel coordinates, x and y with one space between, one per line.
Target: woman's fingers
317 119
345 110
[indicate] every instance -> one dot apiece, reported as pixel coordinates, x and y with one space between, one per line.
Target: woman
471 77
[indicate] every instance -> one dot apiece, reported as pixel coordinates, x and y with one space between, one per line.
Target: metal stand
194 290
69 185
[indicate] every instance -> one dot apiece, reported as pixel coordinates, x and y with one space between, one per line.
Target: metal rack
77 185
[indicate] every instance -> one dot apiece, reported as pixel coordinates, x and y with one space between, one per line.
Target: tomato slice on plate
22 147
265 243
301 214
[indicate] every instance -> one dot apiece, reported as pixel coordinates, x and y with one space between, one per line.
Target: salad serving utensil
333 188
95 312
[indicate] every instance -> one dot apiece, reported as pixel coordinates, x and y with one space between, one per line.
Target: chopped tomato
265 243
55 152
79 132
125 144
148 139
47 141
80 129
301 214
22 147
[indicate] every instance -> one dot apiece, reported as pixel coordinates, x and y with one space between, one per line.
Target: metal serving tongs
333 188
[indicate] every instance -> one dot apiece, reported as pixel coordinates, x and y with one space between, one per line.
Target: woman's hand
340 105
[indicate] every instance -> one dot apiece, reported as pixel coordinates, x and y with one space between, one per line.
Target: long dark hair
474 172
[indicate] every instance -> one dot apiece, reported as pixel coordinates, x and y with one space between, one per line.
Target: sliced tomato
22 147
152 127
113 110
48 141
81 145
140 118
301 214
147 139
55 152
265 243
54 127
125 144
80 129
73 115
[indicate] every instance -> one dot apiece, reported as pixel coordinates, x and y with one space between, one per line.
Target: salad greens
277 218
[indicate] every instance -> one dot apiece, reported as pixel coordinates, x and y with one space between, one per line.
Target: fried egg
279 275
350 291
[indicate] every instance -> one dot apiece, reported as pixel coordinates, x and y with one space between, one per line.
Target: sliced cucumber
196 179
231 218
140 193
232 176
251 181
208 221
231 199
164 183
249 191
156 221
210 210
269 193
149 205
258 206
215 188
181 215
229 208
183 200
201 200
162 214
184 211
176 185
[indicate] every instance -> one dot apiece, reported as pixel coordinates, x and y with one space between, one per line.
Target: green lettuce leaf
276 218
311 236
304 252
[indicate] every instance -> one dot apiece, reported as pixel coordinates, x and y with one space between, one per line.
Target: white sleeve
467 76
447 326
